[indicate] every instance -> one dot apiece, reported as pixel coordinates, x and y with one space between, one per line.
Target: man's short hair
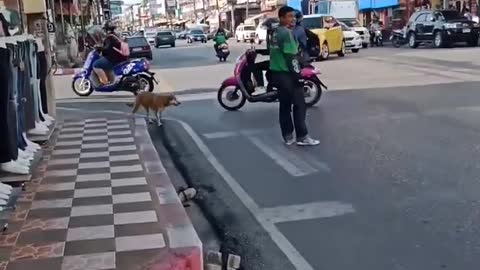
284 10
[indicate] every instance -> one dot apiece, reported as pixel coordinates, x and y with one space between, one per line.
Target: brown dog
155 102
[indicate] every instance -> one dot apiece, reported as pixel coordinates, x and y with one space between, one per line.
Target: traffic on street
391 185
267 135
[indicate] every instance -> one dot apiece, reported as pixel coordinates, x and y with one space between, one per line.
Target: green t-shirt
220 39
281 43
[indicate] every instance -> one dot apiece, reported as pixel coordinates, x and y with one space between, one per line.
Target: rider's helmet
109 26
298 16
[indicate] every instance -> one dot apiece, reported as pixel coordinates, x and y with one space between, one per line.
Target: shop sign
270 3
51 27
84 3
116 9
171 3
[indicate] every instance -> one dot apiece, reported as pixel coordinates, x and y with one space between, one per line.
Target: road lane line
306 211
310 158
280 240
288 161
220 134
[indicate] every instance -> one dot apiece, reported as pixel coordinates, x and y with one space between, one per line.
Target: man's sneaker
259 90
289 140
307 141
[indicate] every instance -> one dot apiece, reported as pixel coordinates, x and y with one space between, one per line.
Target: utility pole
233 17
218 14
133 17
246 10
195 10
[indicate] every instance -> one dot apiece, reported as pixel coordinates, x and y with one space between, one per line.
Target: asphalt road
192 55
393 185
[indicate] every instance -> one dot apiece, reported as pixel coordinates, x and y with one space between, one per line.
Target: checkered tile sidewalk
98 205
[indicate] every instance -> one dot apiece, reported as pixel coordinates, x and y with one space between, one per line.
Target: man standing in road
285 70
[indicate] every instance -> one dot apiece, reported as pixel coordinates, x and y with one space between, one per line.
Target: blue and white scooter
132 75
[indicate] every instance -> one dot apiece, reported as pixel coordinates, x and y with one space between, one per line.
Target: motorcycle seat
122 63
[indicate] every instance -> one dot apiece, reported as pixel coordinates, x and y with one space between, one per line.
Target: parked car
164 38
353 41
245 33
260 34
356 26
329 33
196 35
150 36
211 34
182 34
139 47
125 34
442 28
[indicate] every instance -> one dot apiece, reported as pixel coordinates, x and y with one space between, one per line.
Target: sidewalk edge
184 243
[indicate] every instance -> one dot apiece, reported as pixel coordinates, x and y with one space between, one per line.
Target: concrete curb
66 71
185 251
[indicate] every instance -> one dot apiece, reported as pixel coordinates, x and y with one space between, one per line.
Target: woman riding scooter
110 54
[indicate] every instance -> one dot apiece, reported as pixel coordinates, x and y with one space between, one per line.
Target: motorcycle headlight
450 25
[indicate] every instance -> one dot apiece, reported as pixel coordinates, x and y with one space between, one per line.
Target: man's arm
288 47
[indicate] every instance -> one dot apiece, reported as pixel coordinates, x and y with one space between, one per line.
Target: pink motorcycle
236 90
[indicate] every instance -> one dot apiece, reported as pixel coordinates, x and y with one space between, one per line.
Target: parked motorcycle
132 76
236 90
377 38
398 38
223 52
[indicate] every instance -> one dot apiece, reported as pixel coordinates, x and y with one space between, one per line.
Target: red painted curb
185 251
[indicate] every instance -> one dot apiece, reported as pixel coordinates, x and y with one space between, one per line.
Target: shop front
381 10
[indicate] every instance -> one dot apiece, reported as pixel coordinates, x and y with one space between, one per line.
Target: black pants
27 87
257 71
8 121
290 94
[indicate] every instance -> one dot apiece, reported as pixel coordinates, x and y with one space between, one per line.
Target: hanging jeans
14 68
42 74
34 81
27 87
8 128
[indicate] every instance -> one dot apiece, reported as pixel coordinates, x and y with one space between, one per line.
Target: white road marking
287 160
306 211
220 134
181 97
282 242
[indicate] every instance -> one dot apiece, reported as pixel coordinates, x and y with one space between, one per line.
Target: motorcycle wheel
82 88
396 42
231 93
147 83
313 91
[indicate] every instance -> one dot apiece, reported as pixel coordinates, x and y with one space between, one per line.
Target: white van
245 32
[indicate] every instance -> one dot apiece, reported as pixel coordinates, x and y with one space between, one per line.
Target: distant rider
219 38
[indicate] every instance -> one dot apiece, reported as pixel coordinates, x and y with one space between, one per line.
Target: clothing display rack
24 118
